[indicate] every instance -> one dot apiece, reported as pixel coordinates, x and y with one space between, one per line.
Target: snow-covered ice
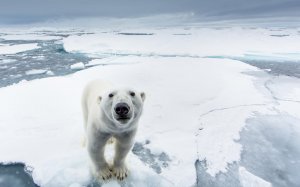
199 106
192 42
53 118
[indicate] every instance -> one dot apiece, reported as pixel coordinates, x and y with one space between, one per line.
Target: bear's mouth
123 119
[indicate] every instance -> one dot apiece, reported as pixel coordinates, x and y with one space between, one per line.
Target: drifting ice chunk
50 73
35 72
77 66
7 61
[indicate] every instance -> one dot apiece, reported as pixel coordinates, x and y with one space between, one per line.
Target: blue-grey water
16 175
52 58
288 68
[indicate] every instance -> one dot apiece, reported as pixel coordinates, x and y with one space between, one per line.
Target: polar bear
110 112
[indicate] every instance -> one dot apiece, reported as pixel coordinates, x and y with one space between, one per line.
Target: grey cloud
26 11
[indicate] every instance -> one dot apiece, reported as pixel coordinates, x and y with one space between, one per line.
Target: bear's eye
132 94
110 95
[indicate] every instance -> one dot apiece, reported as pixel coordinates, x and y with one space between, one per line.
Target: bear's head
122 106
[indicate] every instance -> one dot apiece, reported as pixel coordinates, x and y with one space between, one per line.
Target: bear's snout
122 109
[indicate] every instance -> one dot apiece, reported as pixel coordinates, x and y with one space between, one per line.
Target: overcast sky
30 11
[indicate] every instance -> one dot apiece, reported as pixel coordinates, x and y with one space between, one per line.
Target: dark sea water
15 175
51 57
288 68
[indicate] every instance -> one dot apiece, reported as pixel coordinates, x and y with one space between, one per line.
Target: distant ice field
54 51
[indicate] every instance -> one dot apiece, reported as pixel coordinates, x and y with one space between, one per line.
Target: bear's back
94 89
91 93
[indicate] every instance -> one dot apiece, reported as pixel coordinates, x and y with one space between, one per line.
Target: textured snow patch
111 184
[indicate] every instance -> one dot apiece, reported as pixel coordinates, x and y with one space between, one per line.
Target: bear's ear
99 99
143 96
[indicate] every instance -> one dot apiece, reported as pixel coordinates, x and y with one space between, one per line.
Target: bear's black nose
122 109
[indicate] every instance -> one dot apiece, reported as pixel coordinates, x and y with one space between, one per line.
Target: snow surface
12 49
41 121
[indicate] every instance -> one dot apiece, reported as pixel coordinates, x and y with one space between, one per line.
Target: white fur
101 122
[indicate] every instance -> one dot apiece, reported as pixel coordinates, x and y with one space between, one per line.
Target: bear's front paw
104 173
120 172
